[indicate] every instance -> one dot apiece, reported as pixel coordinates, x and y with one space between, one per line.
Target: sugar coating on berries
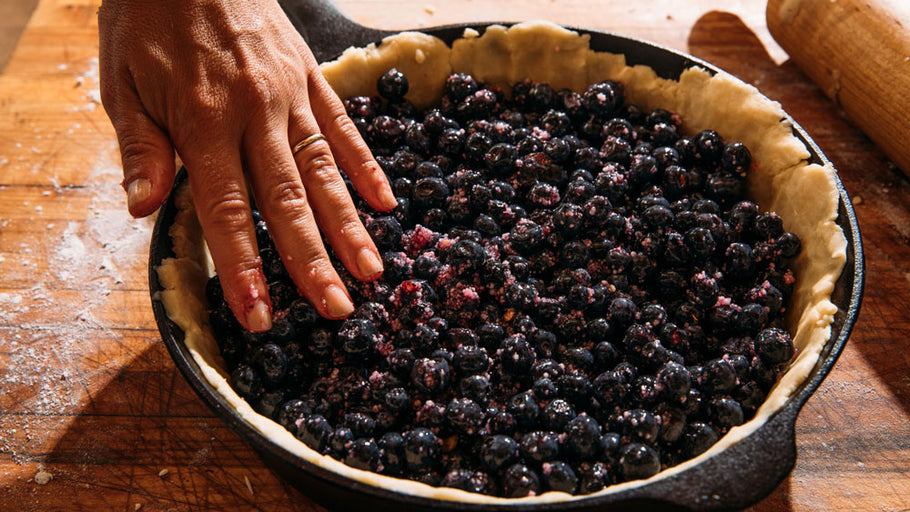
575 294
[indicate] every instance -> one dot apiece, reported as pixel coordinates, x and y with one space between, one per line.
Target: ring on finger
306 142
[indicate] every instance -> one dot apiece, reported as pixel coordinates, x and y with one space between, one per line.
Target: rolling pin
858 53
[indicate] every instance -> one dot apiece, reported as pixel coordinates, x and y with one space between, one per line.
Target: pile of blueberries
575 295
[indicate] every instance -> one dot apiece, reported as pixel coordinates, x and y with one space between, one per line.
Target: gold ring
307 141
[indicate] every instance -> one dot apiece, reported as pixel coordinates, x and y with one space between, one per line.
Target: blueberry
430 192
557 123
642 170
673 382
392 85
697 438
622 312
592 477
557 414
471 359
769 296
717 376
788 244
460 85
466 256
476 388
339 442
315 432
725 413
476 147
320 341
361 106
640 426
497 452
501 423
611 443
467 480
524 408
575 388
421 449
700 243
583 437
768 226
709 146
270 363
246 382
357 337
615 149
774 346
464 416
362 425
431 376
559 476
451 142
392 456
292 413
516 355
603 99
385 231
397 400
268 402
519 481
387 130
736 158
638 461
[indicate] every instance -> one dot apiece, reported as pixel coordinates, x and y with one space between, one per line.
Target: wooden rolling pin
858 52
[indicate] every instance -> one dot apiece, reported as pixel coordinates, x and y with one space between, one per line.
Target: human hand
232 87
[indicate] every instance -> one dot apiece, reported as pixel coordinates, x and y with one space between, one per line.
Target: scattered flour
50 334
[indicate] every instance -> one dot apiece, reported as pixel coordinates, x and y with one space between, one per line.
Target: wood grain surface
93 414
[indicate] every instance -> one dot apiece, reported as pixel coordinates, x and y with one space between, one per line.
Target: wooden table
93 414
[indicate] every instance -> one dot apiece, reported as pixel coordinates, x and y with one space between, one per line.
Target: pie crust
803 194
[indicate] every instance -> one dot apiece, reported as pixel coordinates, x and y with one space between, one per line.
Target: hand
232 87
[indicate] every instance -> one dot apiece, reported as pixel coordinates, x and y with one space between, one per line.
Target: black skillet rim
770 449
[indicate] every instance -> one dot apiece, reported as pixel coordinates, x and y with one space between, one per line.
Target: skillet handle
327 31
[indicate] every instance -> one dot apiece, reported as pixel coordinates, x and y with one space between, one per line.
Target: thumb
148 161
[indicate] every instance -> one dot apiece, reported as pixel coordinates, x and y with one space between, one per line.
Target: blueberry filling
575 295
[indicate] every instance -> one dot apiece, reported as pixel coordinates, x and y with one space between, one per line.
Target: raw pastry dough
803 194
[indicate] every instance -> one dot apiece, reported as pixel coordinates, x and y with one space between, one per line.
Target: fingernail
337 303
368 263
138 191
259 318
387 197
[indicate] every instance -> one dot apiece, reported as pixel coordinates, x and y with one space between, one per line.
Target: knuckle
316 268
134 149
239 273
351 227
316 160
226 212
288 195
205 108
343 126
260 91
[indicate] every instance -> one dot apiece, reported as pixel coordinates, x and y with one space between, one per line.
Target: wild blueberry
421 449
583 437
519 481
638 461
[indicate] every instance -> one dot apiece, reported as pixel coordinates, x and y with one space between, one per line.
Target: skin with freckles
230 88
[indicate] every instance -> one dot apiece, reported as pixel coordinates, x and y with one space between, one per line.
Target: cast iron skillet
736 478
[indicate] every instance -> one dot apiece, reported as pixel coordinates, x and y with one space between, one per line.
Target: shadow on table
147 442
